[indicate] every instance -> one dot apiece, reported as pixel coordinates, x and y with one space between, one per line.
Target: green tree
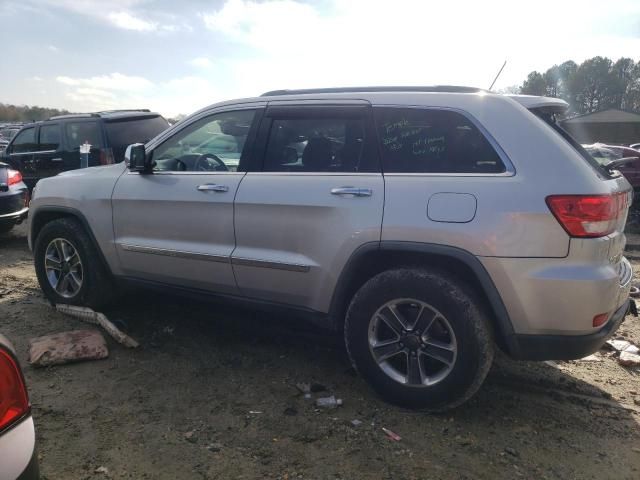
534 84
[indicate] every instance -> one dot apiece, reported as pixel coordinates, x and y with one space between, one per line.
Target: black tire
97 289
453 300
6 227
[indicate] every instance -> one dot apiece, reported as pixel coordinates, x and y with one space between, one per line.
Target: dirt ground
211 394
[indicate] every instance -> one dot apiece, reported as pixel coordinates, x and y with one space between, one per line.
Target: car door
47 159
77 132
316 196
175 224
19 154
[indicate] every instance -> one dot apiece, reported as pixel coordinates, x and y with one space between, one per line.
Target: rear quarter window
77 133
417 140
122 133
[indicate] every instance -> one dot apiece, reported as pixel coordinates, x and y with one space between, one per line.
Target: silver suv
429 224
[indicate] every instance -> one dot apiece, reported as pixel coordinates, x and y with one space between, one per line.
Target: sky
176 57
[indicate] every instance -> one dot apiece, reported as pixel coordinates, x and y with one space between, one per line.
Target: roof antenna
494 80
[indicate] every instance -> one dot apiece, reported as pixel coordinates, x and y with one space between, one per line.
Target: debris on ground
328 402
356 422
511 451
623 346
317 387
103 470
255 412
304 387
392 435
67 347
191 436
214 447
591 358
290 411
88 315
5 291
628 359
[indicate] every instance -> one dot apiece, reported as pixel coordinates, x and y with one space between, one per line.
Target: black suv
43 149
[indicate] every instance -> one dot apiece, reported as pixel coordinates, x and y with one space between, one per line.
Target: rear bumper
565 347
18 457
14 206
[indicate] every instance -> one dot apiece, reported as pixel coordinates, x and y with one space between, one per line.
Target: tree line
596 84
24 113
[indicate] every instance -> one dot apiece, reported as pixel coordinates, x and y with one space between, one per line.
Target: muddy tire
419 338
68 266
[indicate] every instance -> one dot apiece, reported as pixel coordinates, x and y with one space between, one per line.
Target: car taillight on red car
14 401
14 177
588 216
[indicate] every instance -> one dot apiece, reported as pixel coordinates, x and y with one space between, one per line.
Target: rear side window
316 144
77 133
122 133
25 141
49 137
415 140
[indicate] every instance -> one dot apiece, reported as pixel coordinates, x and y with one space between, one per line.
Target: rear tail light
14 401
14 177
588 216
600 319
106 157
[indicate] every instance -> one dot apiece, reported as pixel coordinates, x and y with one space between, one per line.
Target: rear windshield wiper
613 165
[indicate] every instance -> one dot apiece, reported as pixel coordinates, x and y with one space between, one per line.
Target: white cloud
363 42
53 48
128 21
113 81
36 78
200 62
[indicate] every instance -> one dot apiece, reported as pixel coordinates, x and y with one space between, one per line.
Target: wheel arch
46 214
375 257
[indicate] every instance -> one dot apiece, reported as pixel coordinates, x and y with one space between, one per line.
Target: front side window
315 145
25 141
78 133
49 137
213 144
414 140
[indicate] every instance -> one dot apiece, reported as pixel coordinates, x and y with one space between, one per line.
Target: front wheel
419 338
68 267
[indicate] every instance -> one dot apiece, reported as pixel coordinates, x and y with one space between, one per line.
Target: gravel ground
211 394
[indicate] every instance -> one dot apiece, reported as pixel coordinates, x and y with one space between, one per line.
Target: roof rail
435 88
74 115
146 110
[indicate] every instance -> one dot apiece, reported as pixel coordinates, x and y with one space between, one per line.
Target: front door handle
58 159
355 191
212 187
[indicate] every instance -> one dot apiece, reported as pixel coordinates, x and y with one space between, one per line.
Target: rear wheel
68 267
419 338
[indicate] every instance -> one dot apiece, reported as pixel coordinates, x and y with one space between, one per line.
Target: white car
18 458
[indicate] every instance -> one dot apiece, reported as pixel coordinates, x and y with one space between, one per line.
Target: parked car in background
14 198
421 222
18 456
6 134
44 149
606 154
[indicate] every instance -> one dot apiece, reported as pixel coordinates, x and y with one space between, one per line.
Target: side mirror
136 158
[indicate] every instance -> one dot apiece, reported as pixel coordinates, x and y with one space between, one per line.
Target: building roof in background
611 115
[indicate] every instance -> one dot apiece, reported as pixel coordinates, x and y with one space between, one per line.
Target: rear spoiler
545 105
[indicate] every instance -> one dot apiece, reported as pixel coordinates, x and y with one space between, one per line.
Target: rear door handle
356 192
212 187
58 159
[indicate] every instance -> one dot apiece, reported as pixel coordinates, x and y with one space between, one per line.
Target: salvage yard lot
211 394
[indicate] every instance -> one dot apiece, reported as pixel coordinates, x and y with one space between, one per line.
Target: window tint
78 133
25 141
414 140
315 145
49 137
213 144
122 133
